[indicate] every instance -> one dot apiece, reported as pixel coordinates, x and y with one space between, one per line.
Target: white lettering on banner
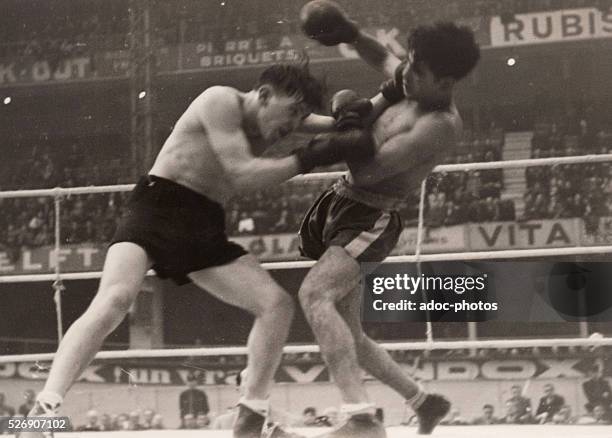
90 374
249 58
58 257
560 368
542 234
149 376
27 262
551 26
87 253
5 263
300 376
457 370
508 369
437 240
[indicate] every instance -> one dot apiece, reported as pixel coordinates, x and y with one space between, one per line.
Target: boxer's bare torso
396 120
187 157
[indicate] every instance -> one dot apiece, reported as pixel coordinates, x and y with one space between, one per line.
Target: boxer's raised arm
375 54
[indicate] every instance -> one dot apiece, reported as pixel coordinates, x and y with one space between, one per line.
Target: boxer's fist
325 22
393 89
349 109
331 148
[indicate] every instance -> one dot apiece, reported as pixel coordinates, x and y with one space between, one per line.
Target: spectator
564 416
91 424
147 419
133 422
309 417
487 416
189 422
597 390
158 422
193 401
523 404
246 224
106 422
30 399
5 411
550 404
597 416
121 422
512 413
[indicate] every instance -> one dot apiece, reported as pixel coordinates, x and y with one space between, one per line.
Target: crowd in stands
453 198
56 30
569 190
551 407
29 222
53 31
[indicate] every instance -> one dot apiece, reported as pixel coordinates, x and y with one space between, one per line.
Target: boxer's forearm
317 124
379 105
375 54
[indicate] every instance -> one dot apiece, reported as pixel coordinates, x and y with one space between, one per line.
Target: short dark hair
295 79
487 406
447 49
309 410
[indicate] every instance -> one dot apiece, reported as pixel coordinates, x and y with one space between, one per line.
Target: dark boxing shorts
181 230
367 233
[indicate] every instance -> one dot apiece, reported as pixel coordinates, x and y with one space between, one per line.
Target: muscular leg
124 270
334 276
245 284
371 356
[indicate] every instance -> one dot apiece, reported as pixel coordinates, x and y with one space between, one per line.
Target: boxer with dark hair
175 224
357 219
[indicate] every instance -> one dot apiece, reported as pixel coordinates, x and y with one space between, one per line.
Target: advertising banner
551 27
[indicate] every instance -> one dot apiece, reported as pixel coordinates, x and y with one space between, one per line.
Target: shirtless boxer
356 220
175 224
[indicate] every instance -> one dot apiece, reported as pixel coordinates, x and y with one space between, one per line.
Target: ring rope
509 164
304 264
297 349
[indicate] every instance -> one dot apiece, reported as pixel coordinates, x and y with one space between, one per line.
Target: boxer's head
286 94
439 55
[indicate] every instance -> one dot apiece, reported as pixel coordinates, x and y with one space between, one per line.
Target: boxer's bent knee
278 303
115 298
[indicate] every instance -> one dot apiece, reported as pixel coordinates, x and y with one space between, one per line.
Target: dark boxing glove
328 149
325 22
393 89
349 110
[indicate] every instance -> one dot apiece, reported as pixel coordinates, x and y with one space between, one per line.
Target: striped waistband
387 203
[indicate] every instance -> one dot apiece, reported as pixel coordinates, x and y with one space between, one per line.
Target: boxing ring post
417 255
58 285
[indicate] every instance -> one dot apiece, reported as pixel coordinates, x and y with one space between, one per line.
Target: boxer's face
279 114
422 85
